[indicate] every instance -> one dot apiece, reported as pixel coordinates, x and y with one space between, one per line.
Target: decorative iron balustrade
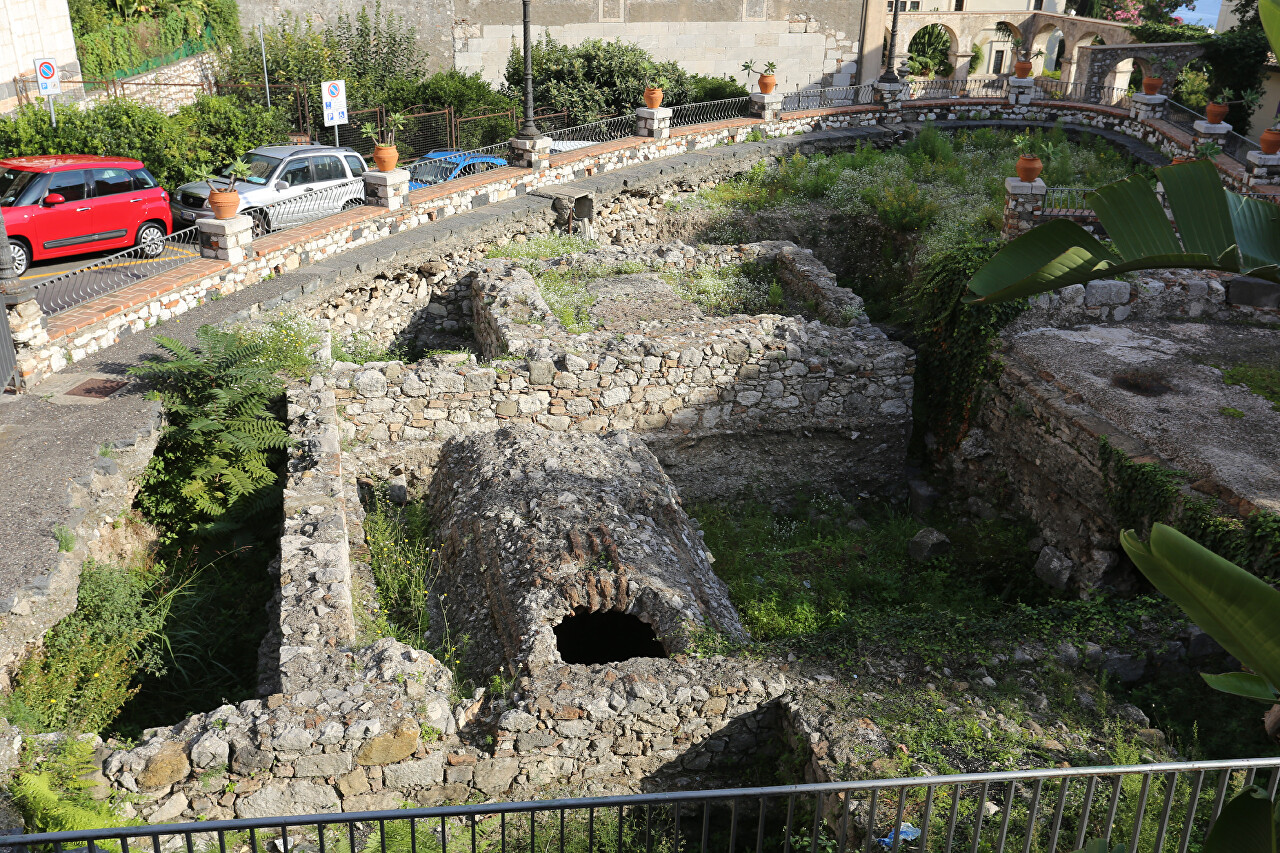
1153 808
306 205
709 111
1066 199
831 96
109 274
605 130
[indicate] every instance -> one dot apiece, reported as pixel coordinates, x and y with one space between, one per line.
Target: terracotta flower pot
224 203
767 83
653 97
1270 141
1028 168
1179 160
1022 69
1215 113
385 157
1151 85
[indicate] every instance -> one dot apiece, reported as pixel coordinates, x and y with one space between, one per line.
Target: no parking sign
47 77
335 102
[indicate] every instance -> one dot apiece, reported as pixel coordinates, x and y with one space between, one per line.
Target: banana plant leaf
1237 609
1216 230
1247 825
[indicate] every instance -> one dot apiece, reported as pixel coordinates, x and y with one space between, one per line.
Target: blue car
440 166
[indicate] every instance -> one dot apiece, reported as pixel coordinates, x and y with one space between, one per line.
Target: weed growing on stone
88 666
66 538
1261 379
1231 412
286 344
746 288
544 246
363 347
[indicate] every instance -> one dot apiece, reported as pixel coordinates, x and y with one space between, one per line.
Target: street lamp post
528 130
889 76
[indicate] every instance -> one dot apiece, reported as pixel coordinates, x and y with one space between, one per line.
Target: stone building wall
168 88
31 30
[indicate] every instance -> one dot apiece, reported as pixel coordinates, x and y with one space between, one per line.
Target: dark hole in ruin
1145 383
605 637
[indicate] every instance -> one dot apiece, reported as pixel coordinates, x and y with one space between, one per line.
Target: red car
57 205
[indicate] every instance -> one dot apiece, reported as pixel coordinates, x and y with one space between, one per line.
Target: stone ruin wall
841 394
1034 436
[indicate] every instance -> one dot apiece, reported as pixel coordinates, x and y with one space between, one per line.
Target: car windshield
433 172
12 184
260 168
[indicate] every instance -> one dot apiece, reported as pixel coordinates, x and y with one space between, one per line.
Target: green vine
1140 494
955 342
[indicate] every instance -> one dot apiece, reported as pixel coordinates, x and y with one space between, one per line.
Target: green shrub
111 43
177 149
87 668
214 465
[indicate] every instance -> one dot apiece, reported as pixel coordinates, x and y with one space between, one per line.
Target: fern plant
54 795
213 467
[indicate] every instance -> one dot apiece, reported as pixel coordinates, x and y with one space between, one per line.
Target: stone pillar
30 332
1021 90
888 96
229 240
1022 204
386 189
654 123
1205 132
1263 168
961 75
1147 107
1067 70
531 153
766 107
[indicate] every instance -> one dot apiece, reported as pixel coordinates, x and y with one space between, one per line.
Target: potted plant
385 153
1270 141
1029 165
1022 65
1216 110
653 86
1206 151
1152 82
226 202
766 80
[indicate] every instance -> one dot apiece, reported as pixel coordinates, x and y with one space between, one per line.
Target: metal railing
433 170
1181 116
708 111
605 130
306 206
1233 144
109 274
1066 199
831 96
1237 147
923 90
1153 808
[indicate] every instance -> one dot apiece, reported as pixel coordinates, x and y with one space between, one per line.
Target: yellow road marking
180 252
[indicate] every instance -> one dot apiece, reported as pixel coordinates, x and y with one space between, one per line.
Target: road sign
334 93
47 77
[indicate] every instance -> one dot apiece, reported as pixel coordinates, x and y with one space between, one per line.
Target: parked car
57 205
278 173
440 166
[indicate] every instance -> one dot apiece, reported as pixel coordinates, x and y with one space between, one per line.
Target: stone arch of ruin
1103 67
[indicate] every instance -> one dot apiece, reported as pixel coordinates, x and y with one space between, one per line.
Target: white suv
287 185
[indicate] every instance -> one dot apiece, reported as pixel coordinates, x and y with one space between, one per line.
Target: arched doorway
932 51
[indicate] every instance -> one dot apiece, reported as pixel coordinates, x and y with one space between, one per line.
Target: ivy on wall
1140 494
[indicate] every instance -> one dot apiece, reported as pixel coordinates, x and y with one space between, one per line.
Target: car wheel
151 240
21 256
261 223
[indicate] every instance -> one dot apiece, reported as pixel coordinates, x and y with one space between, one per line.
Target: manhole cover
98 389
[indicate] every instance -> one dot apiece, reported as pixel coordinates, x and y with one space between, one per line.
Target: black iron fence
1066 199
923 90
605 130
1154 807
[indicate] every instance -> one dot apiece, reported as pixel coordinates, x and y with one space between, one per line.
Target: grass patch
819 582
546 246
363 347
1230 412
568 293
285 343
1260 379
66 538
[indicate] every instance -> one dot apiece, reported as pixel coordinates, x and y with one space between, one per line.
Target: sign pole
53 117
49 82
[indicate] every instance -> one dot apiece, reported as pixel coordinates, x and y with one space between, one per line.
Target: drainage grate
97 389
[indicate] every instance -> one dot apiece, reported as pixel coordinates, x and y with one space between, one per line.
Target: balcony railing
831 96
709 111
1066 200
1155 808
